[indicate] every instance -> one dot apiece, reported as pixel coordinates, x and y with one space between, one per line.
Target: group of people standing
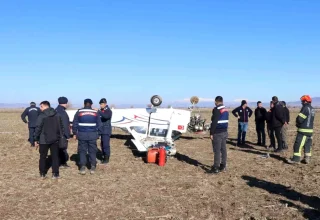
50 129
277 119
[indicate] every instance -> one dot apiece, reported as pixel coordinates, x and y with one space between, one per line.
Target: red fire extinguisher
162 156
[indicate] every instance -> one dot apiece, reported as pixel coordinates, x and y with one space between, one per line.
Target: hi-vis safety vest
305 119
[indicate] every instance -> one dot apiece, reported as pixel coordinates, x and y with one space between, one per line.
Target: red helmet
306 98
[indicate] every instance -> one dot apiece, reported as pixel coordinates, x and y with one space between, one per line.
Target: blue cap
62 100
103 100
88 101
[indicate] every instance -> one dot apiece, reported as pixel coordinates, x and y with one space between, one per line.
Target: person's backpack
51 129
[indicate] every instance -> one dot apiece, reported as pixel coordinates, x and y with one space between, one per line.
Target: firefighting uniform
304 123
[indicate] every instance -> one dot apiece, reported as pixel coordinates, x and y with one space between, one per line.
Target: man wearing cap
86 127
105 115
32 112
260 118
61 110
243 113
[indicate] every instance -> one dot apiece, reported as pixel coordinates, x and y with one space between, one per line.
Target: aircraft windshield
158 132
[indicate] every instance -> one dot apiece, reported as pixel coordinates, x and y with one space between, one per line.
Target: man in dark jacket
243 113
47 134
260 117
277 121
285 126
219 135
86 127
32 112
269 126
105 115
61 110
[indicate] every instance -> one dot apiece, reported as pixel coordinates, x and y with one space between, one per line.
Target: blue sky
127 51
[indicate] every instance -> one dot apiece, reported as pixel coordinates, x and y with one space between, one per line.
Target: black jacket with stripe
305 119
219 120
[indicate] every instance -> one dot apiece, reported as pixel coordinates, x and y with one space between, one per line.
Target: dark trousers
54 151
105 144
89 146
63 155
219 144
284 136
31 133
271 135
302 141
276 132
260 128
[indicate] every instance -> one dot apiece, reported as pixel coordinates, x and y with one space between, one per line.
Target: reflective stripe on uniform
308 154
303 141
87 110
305 130
223 121
302 116
87 124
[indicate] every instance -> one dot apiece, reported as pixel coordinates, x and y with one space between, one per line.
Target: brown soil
128 188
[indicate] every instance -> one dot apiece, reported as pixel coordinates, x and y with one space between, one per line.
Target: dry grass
253 188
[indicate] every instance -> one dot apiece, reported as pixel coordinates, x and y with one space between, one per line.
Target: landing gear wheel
156 100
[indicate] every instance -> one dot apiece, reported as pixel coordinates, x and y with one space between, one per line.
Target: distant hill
315 102
13 105
202 104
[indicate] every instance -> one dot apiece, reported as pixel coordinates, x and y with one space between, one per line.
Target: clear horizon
126 52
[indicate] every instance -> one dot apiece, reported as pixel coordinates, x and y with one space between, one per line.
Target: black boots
105 159
215 170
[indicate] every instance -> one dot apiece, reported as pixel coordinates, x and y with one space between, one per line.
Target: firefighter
85 127
304 123
32 112
105 115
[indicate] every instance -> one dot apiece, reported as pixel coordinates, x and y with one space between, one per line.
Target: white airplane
154 127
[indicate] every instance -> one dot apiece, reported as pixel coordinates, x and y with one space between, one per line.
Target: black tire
156 100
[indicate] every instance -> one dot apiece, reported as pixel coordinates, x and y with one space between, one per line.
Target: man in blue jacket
86 127
219 135
243 113
61 110
106 130
32 113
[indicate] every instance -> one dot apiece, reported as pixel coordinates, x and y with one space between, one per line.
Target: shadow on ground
293 195
258 152
188 160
